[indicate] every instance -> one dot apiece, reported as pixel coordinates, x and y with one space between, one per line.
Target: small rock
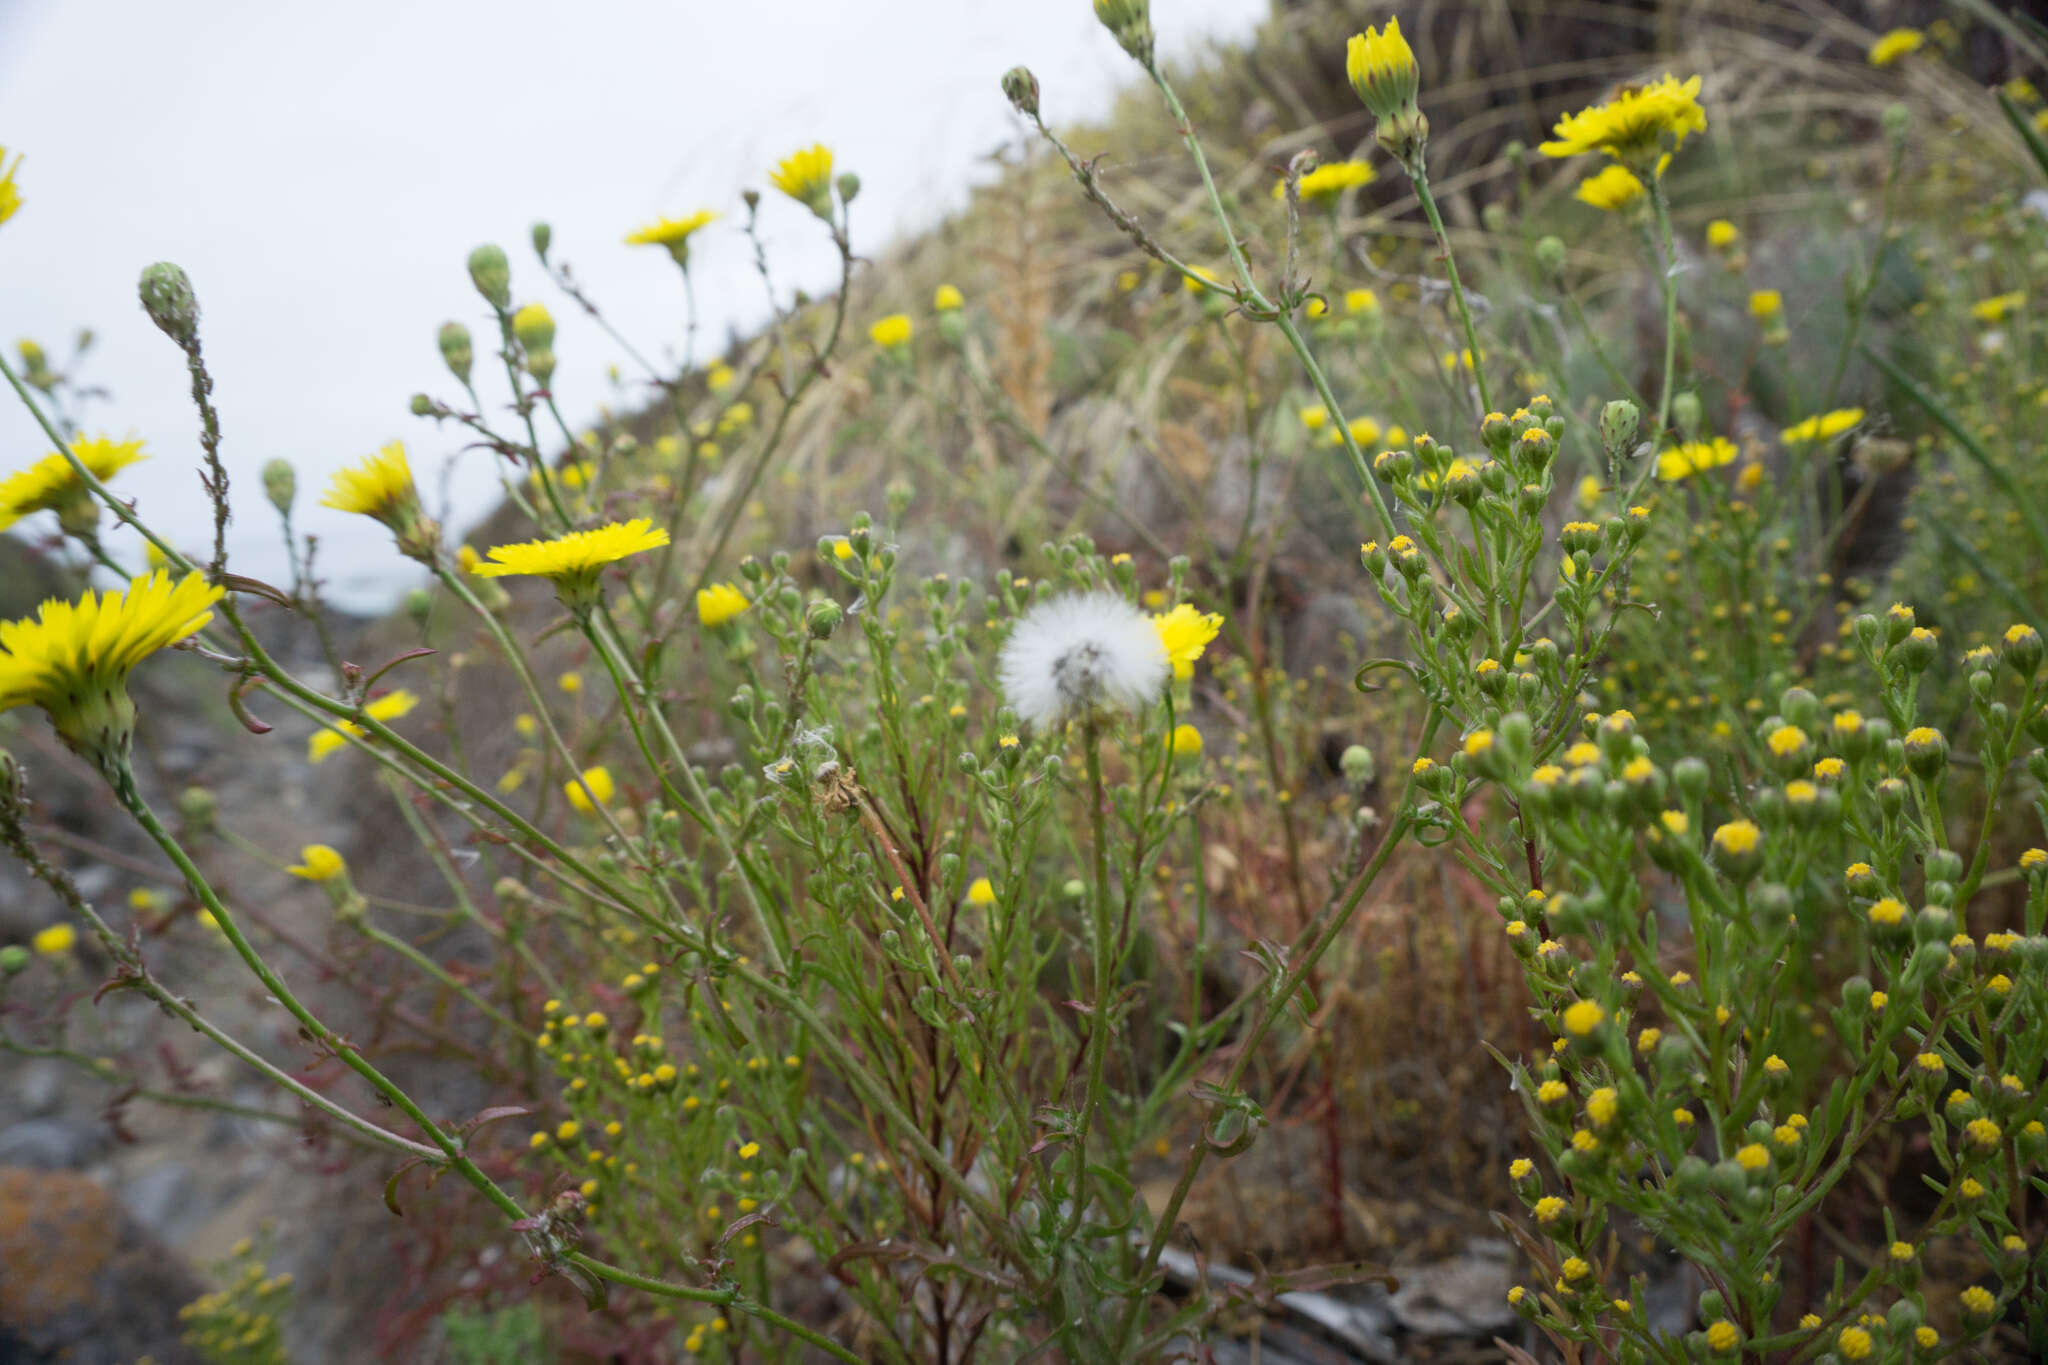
1466 1296
80 1282
52 1144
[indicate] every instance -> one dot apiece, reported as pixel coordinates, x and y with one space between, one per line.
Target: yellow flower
1896 44
1361 301
1631 127
1826 426
374 485
1995 308
1583 1016
1185 633
806 176
1187 742
10 197
51 484
1738 838
573 561
1327 182
318 863
981 892
720 603
327 740
1315 416
1765 304
1382 70
1364 431
54 941
1612 190
947 299
73 658
1723 1337
1722 234
1693 457
672 233
599 782
890 332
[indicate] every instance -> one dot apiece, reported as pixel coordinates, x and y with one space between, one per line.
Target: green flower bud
542 236
1550 255
14 960
280 485
455 349
1021 89
822 617
491 273
167 297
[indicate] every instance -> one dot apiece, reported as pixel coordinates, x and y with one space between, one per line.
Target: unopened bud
491 273
280 485
167 297
542 236
455 349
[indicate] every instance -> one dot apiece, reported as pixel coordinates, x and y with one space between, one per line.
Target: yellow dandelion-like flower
318 863
1898 43
328 739
806 176
981 892
10 197
1613 189
672 233
1185 633
374 485
1995 308
720 603
51 484
1694 457
1722 234
1631 126
1329 181
892 332
1824 427
73 658
595 782
947 299
1765 304
574 561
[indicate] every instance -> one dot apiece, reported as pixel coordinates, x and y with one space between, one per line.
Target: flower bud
1130 23
491 273
197 808
167 297
1549 252
1926 752
822 617
2023 649
455 349
1618 423
543 235
280 485
1021 88
14 960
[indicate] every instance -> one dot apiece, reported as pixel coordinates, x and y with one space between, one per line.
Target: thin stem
1419 176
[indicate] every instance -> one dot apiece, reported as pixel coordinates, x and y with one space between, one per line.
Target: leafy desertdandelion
673 234
806 176
572 562
52 484
381 487
73 658
1636 126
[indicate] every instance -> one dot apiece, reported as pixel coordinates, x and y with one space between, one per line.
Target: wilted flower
1069 654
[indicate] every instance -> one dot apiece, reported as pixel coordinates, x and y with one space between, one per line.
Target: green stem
1419 175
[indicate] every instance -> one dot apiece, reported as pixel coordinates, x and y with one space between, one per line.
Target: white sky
322 172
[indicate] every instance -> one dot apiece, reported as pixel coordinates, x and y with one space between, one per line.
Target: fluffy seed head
1070 653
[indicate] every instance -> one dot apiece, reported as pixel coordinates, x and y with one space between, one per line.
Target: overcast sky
322 171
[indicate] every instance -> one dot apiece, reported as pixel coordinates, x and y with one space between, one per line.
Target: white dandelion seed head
1085 649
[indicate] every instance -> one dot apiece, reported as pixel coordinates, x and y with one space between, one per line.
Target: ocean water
322 174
